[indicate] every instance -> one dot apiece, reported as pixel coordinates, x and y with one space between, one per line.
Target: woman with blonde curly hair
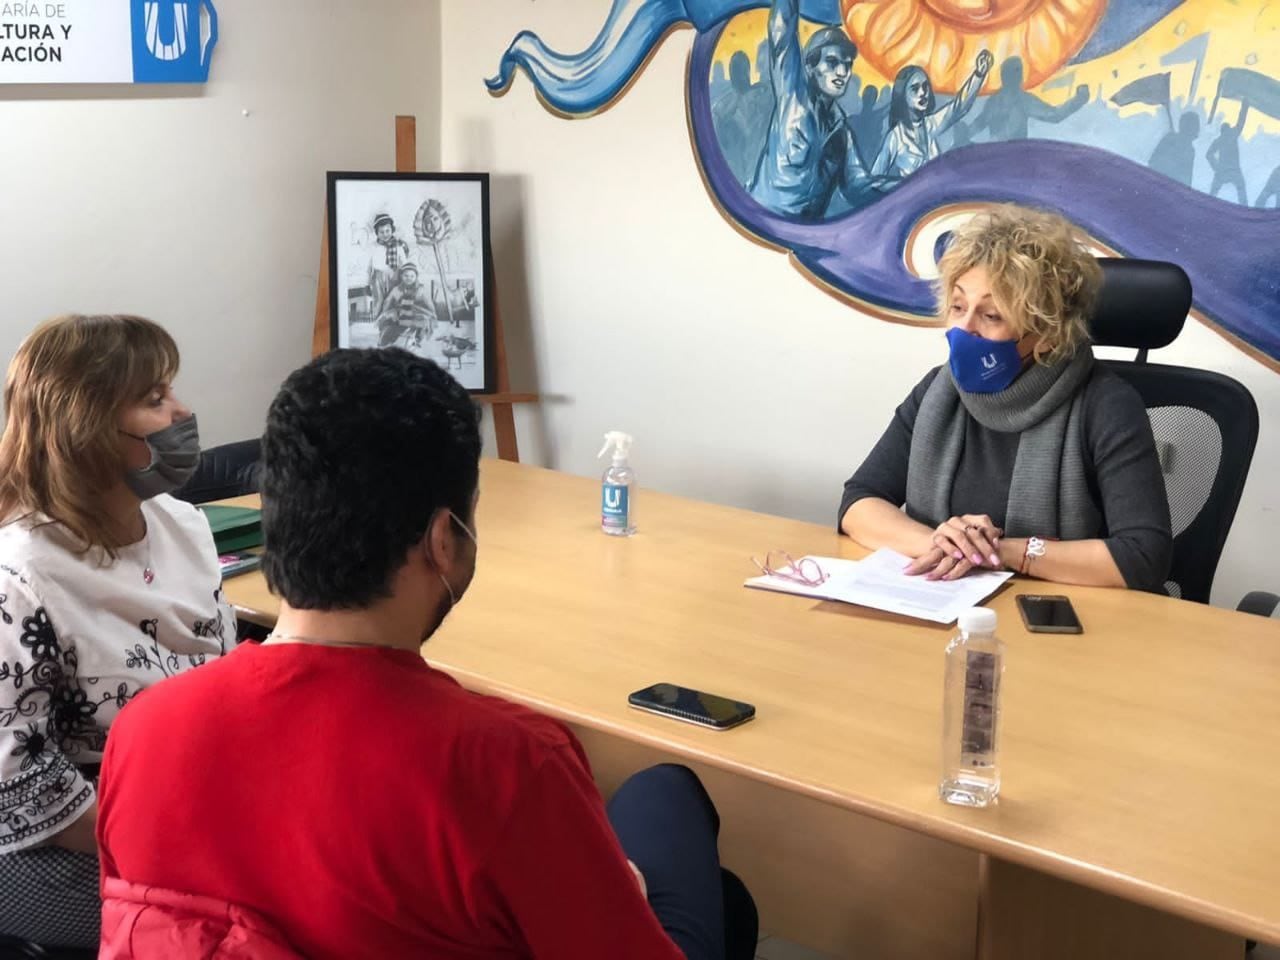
1021 453
107 585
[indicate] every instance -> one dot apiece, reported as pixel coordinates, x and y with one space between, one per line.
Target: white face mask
453 600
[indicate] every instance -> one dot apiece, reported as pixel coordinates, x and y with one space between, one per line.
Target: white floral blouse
79 638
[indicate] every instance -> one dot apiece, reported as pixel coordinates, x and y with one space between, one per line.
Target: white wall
171 203
634 305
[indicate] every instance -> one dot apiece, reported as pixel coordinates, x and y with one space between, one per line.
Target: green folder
234 528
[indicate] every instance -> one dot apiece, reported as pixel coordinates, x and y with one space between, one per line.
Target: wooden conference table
1141 760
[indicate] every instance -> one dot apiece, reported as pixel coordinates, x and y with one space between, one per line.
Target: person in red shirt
347 797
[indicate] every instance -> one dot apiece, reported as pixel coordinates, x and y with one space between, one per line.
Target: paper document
878 582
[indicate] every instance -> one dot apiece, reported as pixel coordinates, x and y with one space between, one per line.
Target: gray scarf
1048 494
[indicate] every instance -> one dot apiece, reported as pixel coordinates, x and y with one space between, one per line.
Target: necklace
321 641
148 571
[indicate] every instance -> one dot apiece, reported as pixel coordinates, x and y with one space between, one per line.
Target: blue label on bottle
614 505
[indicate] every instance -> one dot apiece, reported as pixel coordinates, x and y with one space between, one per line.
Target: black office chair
230 470
1205 424
1261 603
11 948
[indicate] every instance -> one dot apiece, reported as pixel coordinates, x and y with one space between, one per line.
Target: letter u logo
166 51
989 362
613 498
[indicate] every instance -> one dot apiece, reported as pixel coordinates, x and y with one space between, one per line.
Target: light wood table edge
1102 880
253 616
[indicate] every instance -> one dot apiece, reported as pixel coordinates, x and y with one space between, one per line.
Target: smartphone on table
692 706
238 562
1048 614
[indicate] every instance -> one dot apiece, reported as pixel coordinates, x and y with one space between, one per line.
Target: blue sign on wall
167 43
106 41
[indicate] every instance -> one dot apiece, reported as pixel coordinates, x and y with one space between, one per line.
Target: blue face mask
979 365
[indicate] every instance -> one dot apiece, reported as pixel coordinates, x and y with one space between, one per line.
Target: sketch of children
389 253
405 309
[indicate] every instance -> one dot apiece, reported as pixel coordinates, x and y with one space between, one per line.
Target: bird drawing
454 348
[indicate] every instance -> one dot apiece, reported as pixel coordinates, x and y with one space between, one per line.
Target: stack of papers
878 582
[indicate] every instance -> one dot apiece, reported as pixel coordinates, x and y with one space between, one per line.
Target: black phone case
1025 599
668 710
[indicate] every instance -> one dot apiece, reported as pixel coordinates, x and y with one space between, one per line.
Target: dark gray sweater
1123 470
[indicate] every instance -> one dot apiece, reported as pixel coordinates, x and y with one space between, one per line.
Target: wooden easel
504 421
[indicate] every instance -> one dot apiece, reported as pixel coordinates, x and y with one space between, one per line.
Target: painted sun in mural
1044 34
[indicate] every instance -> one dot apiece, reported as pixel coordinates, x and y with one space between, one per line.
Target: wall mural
852 132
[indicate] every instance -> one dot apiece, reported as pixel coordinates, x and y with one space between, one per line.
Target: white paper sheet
878 582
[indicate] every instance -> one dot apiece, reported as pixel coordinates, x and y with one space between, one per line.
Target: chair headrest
1143 303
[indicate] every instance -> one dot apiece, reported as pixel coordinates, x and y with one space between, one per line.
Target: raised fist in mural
984 63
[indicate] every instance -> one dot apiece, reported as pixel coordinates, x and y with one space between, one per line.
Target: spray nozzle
621 444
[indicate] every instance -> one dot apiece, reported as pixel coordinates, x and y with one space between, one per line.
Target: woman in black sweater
1022 452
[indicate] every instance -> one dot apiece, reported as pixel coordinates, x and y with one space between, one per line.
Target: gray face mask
175 454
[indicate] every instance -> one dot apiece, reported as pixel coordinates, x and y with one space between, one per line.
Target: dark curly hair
362 448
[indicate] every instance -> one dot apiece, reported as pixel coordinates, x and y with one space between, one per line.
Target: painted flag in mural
1193 51
1153 90
584 82
1066 81
1256 89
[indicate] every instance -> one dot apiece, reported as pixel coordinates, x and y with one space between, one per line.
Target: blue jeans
668 827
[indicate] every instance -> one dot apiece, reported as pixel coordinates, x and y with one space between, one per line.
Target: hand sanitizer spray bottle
618 487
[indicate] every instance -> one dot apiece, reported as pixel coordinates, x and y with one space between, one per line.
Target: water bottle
971 712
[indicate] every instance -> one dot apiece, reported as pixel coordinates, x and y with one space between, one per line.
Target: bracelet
1034 551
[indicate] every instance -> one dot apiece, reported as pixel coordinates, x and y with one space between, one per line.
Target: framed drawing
409 266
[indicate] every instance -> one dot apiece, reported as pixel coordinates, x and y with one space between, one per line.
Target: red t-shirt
369 807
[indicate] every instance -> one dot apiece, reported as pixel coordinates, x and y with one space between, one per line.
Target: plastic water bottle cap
978 620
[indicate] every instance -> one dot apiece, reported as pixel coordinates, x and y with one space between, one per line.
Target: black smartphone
692 706
1044 614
